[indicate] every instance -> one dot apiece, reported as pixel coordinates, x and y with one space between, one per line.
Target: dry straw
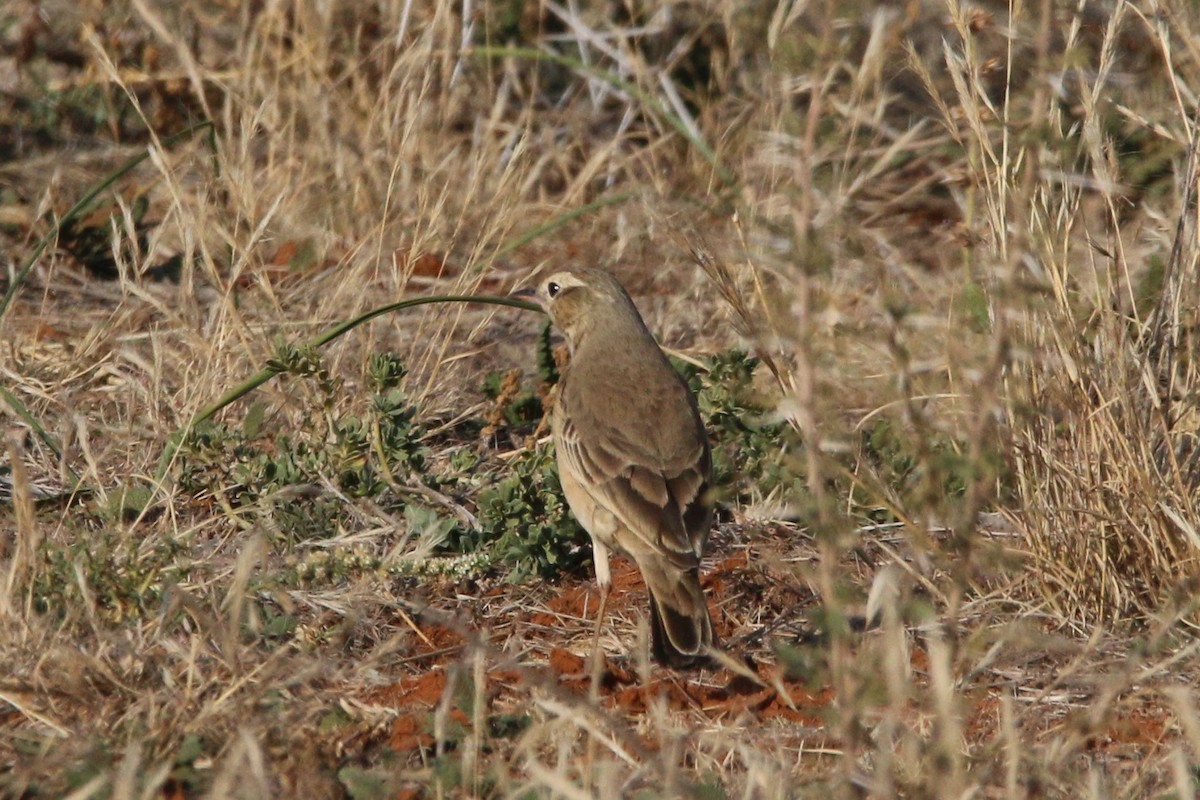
961 239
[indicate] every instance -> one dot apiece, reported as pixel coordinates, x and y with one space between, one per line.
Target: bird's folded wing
623 479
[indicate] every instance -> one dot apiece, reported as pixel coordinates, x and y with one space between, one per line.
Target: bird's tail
681 631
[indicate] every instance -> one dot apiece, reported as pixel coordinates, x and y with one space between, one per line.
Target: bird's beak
527 293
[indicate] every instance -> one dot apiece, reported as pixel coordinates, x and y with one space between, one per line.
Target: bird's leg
604 591
604 581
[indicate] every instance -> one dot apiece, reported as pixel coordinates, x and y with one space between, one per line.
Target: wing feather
654 498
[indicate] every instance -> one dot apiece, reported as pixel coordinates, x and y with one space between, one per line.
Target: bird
633 456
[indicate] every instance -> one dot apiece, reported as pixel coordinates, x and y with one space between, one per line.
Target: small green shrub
362 456
749 450
524 519
925 472
524 525
120 578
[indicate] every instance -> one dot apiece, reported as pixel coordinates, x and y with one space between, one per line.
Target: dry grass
961 238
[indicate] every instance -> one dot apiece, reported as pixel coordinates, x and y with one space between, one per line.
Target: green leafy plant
524 524
918 472
110 572
525 520
749 450
362 456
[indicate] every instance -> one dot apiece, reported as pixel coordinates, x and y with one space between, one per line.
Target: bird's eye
552 288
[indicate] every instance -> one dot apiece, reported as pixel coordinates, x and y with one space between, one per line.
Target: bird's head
578 300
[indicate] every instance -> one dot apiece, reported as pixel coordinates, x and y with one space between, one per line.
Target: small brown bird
633 456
